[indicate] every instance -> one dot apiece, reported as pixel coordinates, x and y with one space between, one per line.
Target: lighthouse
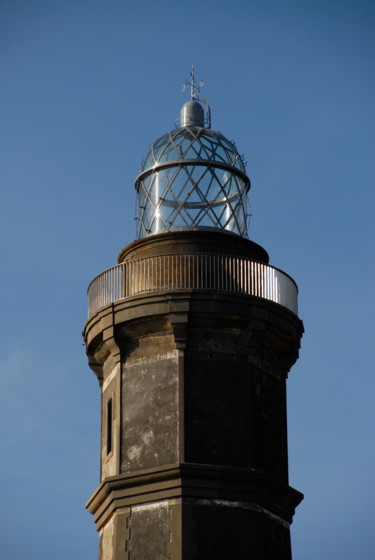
192 336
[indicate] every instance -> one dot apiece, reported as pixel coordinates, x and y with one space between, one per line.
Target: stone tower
192 336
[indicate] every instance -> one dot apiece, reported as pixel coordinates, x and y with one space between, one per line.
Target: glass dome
192 177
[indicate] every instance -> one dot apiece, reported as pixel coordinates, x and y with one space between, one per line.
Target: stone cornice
185 480
264 324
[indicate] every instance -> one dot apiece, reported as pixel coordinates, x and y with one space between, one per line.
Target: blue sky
86 86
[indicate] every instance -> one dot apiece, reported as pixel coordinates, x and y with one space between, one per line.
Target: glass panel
194 151
148 161
159 146
209 148
239 164
192 195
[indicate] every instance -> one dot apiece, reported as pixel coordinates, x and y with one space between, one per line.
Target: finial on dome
195 87
192 112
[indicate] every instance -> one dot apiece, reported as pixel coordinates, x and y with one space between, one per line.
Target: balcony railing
212 272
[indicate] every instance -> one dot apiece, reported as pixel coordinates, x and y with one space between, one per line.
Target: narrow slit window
109 426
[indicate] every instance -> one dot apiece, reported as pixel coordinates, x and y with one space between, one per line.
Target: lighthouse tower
192 335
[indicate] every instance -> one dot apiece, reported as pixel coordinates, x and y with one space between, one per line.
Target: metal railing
213 272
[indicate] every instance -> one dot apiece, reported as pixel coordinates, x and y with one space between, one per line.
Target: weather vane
194 86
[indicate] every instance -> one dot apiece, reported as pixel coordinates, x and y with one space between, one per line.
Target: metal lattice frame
192 177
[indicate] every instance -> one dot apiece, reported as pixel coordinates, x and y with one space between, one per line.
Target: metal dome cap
192 178
192 113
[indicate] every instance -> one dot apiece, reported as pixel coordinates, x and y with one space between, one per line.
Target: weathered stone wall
150 404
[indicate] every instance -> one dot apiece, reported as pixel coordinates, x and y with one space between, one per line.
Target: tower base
193 366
